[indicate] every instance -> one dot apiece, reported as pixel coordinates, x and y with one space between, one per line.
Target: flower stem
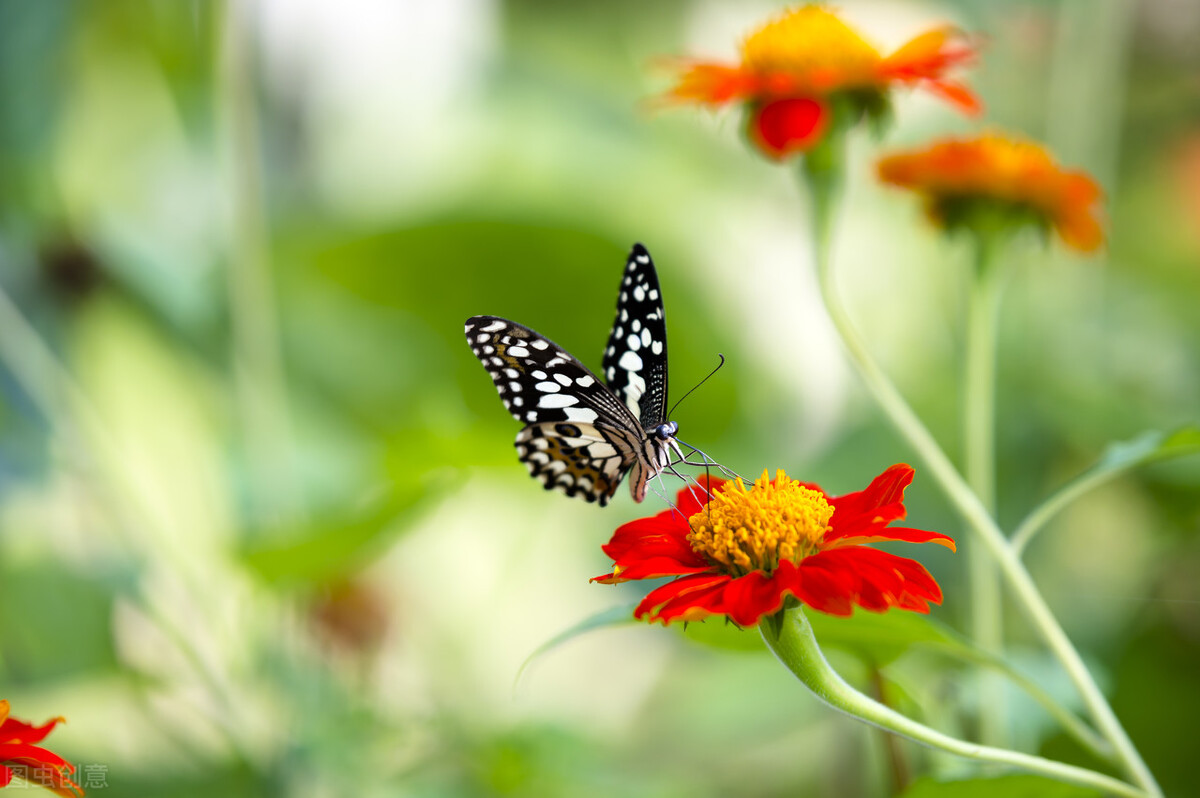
790 638
258 371
979 436
965 501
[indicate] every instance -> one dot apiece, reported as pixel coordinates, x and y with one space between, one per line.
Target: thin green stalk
791 639
1025 593
979 437
257 360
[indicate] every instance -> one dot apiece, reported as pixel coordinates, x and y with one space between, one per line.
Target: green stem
790 638
257 360
1072 725
979 436
964 500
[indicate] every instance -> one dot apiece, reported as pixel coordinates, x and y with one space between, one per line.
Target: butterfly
583 435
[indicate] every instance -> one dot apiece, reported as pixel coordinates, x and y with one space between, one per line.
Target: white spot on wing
656 347
583 414
548 387
633 342
631 362
494 326
646 337
518 351
583 381
639 293
539 344
563 379
557 400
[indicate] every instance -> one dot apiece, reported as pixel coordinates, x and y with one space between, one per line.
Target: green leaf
719 633
1149 447
613 616
1015 786
55 623
313 552
879 638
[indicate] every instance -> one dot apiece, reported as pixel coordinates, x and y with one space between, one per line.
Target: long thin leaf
1118 458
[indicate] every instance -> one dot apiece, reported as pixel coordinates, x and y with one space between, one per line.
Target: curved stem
979 438
970 508
791 639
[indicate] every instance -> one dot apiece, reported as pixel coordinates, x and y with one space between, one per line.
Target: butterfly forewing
578 432
635 359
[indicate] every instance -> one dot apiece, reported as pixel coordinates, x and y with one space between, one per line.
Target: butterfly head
665 432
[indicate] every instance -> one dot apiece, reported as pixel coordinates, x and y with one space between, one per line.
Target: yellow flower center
751 530
813 45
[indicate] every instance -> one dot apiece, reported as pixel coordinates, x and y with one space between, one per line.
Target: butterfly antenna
697 385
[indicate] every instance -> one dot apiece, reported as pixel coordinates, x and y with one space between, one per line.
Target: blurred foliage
360 632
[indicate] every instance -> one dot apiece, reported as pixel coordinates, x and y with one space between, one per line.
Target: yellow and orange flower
795 67
21 756
1009 179
741 553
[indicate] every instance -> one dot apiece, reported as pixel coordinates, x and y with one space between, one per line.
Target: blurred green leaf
1149 447
1017 786
719 633
879 638
54 623
614 616
316 551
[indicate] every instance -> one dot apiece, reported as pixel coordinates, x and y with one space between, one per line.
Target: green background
262 529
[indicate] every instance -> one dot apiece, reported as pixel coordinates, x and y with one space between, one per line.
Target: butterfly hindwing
579 437
575 458
635 358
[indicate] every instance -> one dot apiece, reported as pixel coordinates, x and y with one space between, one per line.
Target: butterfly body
583 434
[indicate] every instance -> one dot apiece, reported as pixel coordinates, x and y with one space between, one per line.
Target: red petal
871 578
657 538
957 94
687 598
13 730
653 568
748 598
889 533
879 504
822 588
6 776
32 755
784 127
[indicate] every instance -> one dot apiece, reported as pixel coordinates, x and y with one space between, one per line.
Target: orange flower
794 67
1012 180
20 756
741 553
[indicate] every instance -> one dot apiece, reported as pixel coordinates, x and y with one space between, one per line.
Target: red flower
741 553
795 67
20 756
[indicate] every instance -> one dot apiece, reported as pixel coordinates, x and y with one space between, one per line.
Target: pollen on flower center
810 42
748 530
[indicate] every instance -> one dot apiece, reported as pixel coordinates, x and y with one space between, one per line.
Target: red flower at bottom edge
20 756
740 552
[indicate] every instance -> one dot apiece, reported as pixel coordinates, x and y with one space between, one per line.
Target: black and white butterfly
582 435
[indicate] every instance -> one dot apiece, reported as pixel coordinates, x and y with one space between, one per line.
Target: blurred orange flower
1014 180
741 553
794 67
21 756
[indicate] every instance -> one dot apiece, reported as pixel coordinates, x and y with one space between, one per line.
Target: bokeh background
262 529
